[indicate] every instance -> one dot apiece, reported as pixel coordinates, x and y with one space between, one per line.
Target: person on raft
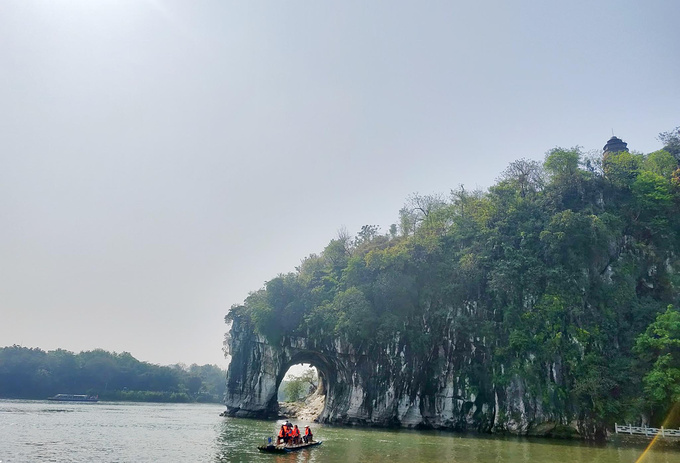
308 435
296 435
282 438
290 435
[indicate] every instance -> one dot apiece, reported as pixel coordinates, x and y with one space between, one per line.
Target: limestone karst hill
534 307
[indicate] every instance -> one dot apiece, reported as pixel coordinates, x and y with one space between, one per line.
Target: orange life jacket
308 432
281 433
296 432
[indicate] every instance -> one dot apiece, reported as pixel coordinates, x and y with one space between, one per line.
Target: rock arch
326 369
453 387
257 368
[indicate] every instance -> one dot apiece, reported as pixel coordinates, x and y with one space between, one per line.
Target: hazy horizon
159 160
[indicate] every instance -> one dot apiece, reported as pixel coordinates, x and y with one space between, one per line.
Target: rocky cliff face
451 387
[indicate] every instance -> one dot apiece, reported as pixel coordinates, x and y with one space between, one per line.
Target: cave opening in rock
302 387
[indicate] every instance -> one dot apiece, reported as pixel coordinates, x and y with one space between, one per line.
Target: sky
159 160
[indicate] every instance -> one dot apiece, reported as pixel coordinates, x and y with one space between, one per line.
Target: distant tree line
568 269
31 373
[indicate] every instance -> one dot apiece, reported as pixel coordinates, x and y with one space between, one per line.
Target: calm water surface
41 431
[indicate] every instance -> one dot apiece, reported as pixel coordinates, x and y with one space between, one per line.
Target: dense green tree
659 350
661 163
293 389
621 168
653 199
563 164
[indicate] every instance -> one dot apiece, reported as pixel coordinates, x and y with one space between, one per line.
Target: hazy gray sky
161 159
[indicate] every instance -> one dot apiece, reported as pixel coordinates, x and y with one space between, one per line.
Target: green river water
37 431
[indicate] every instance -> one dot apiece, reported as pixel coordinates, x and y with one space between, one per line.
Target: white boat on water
74 398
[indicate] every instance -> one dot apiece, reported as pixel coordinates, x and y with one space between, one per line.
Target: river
41 431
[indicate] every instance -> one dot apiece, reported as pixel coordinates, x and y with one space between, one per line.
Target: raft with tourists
284 448
289 439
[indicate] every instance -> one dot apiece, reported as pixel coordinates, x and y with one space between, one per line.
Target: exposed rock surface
308 410
451 388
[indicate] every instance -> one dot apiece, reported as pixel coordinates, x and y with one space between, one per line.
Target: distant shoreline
107 398
32 373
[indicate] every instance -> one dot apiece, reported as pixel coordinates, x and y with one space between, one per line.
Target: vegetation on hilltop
570 266
35 374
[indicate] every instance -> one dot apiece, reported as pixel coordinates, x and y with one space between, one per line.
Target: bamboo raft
271 448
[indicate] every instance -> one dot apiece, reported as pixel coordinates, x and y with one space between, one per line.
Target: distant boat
74 398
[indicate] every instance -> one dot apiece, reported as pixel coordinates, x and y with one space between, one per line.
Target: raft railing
645 431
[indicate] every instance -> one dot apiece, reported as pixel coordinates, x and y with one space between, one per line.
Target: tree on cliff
659 350
671 142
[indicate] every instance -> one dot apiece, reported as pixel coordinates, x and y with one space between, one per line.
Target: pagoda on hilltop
615 145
